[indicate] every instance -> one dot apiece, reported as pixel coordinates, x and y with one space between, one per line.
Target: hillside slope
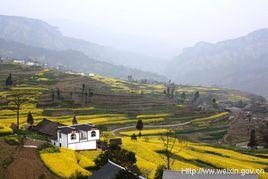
38 33
240 63
71 59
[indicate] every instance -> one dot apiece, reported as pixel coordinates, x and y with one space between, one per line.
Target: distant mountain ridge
240 63
38 33
65 58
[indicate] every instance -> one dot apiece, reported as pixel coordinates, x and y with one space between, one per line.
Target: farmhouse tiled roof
77 127
48 128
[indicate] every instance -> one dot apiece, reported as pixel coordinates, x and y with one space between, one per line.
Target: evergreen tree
9 81
83 87
71 94
53 96
133 137
30 119
139 126
196 96
74 121
183 96
252 140
58 93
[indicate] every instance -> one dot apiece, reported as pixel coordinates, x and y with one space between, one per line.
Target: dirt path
115 132
28 165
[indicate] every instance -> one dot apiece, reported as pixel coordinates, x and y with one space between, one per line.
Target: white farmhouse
75 137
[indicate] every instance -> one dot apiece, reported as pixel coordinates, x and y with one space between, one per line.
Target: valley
114 106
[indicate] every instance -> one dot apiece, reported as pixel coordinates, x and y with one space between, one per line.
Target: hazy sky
178 22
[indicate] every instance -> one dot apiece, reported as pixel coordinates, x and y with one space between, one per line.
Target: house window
93 134
73 136
83 135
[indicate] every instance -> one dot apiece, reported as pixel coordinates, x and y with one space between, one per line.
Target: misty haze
133 89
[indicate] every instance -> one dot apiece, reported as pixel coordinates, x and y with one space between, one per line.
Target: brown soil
27 165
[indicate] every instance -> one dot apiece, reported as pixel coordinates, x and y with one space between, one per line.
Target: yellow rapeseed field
66 162
148 159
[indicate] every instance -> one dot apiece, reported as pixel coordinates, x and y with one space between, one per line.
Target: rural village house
75 137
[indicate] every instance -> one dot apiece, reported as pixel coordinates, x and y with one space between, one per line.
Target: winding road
115 132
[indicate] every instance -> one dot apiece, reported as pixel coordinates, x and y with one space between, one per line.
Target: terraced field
113 103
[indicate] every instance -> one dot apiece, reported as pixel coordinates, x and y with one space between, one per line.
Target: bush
13 140
159 172
6 162
78 175
126 174
120 156
48 148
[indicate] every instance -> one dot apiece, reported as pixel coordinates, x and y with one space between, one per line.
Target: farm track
116 133
27 164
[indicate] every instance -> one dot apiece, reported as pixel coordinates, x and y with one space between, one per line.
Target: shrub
48 148
126 174
78 175
6 162
159 172
13 140
120 156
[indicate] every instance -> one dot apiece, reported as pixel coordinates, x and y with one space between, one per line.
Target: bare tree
169 141
18 100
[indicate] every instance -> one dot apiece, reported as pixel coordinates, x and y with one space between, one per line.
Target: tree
71 94
18 100
133 136
183 97
196 96
168 91
139 125
58 94
83 87
168 140
159 172
74 121
53 96
123 174
120 156
30 119
9 81
252 140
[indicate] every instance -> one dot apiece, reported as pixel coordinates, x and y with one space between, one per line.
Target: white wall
94 138
83 145
77 144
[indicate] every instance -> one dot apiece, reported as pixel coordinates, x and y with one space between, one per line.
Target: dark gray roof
169 174
108 171
77 127
48 128
84 127
66 130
